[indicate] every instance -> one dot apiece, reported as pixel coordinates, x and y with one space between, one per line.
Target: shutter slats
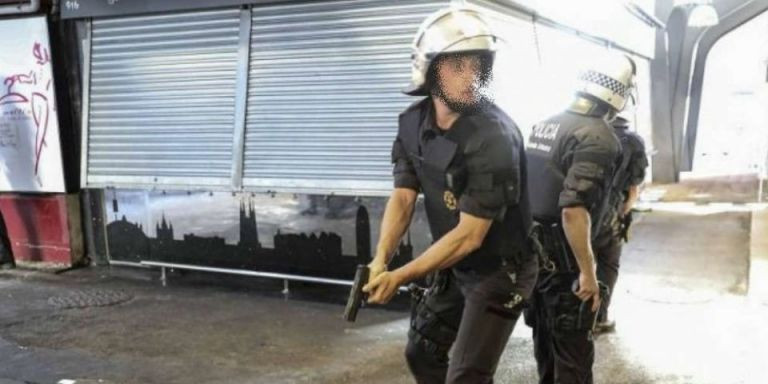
324 93
162 98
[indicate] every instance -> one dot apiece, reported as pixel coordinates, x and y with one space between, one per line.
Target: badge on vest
450 200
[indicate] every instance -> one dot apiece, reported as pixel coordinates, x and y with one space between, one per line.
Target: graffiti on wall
29 132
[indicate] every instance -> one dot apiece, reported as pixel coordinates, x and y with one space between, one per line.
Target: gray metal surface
162 98
738 13
324 93
243 58
520 10
181 101
85 51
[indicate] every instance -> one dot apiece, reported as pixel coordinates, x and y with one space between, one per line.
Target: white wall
733 127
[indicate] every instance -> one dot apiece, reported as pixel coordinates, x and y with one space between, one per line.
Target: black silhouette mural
127 241
363 236
164 231
249 230
311 254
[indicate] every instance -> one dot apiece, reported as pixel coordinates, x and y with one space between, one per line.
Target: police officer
467 157
614 231
572 158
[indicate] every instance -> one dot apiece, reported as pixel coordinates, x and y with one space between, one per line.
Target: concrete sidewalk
681 313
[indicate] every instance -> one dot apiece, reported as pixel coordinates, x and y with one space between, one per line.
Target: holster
565 312
427 329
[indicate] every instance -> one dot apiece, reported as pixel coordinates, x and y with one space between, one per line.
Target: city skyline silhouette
313 254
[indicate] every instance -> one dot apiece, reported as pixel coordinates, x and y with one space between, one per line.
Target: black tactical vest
551 153
438 159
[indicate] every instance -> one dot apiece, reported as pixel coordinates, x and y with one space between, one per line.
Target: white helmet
450 30
611 80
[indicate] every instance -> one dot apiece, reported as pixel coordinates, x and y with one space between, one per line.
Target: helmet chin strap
587 106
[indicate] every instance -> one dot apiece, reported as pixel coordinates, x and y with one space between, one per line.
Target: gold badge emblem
450 200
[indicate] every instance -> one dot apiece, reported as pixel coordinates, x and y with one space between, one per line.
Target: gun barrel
356 294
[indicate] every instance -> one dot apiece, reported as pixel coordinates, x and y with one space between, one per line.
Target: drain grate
89 298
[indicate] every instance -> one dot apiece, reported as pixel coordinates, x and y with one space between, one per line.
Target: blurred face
461 81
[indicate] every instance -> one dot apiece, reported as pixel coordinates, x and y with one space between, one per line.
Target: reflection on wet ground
681 312
679 306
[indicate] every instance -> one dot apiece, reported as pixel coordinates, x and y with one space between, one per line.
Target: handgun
587 319
356 294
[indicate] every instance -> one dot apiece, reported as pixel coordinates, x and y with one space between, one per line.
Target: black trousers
564 352
608 257
473 314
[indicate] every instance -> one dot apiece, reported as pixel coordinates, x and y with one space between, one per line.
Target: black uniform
571 162
631 172
478 166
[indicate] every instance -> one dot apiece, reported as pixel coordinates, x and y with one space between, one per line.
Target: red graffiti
37 97
40 114
41 54
11 97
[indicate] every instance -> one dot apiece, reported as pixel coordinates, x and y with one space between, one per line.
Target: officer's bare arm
577 224
632 195
397 218
466 237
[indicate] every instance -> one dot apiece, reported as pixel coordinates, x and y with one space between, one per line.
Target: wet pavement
681 310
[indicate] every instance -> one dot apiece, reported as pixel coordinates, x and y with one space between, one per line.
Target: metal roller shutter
162 99
324 93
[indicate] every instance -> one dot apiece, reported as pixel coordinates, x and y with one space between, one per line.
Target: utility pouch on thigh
564 310
429 331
